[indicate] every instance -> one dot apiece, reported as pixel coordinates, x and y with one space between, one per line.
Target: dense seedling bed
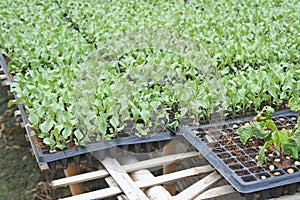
236 33
253 47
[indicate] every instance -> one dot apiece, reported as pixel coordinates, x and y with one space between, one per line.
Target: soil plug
235 126
296 162
263 177
276 174
271 167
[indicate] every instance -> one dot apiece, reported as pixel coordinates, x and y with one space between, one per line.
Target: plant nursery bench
133 177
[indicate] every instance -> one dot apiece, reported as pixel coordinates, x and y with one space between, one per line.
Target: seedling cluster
283 142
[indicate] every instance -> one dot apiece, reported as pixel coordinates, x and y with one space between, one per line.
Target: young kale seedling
282 142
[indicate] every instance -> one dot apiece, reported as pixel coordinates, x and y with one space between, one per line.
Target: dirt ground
20 176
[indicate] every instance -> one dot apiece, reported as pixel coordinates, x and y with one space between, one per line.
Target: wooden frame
125 182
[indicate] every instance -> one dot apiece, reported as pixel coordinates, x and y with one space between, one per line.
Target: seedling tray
90 151
237 163
100 150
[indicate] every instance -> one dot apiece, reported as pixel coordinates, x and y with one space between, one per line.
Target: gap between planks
128 168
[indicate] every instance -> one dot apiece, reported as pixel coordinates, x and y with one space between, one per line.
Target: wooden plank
216 192
128 168
44 167
186 164
98 194
170 149
124 181
80 178
159 161
111 182
167 178
197 188
211 193
76 188
156 192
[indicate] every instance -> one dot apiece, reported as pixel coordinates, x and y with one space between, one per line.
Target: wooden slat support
149 182
170 149
144 180
208 194
153 193
43 166
76 188
159 161
197 188
128 168
104 193
216 192
124 181
172 177
153 181
80 178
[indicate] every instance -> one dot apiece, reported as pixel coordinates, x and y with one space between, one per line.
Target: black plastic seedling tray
99 150
237 163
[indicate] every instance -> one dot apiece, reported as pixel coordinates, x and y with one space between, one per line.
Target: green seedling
282 142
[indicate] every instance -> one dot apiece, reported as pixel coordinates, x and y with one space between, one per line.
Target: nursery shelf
194 178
